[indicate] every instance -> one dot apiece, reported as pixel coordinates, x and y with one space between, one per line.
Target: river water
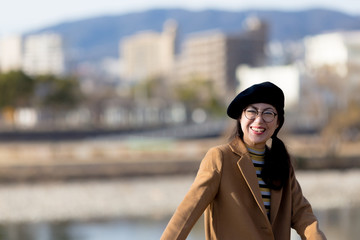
139 208
338 224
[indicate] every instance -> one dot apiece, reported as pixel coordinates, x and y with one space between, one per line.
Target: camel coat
226 190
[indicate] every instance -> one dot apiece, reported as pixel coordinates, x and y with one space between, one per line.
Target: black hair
275 172
277 165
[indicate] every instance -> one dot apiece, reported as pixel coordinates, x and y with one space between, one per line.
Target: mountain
95 38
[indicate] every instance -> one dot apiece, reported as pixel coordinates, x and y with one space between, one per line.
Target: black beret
265 92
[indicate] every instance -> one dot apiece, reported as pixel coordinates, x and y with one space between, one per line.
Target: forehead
261 106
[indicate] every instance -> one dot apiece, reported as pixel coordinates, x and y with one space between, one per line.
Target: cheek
243 124
274 127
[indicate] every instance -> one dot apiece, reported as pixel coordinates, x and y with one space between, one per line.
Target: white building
10 53
44 54
148 53
338 49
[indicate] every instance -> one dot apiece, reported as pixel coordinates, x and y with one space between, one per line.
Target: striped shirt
258 159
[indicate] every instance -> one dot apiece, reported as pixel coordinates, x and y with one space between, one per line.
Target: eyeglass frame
258 113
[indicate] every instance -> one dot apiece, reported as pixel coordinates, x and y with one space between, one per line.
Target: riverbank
100 159
146 197
142 156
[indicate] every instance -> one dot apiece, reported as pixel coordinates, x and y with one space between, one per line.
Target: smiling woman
247 189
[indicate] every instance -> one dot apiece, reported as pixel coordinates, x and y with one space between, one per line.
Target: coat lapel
247 169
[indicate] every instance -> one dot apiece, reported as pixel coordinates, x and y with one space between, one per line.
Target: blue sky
17 16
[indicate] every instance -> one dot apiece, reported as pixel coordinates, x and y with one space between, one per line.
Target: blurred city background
105 119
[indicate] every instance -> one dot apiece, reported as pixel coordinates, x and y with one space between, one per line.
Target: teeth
259 130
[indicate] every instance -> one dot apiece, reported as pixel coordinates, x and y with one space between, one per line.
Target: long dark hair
277 160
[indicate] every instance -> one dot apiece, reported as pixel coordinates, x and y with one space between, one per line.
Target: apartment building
44 54
148 53
214 55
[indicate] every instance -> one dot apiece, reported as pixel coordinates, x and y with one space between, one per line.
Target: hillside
95 38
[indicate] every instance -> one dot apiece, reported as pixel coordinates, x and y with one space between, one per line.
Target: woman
248 190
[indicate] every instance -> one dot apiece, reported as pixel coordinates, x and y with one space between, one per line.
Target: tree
16 89
57 93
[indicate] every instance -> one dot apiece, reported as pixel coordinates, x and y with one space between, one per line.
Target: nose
259 118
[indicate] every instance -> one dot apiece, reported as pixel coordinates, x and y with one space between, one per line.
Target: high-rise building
214 55
10 53
147 54
44 54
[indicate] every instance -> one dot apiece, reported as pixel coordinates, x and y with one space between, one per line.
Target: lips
258 130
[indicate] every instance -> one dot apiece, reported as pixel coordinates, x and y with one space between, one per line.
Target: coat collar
247 169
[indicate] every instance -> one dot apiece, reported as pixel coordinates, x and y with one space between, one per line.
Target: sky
19 16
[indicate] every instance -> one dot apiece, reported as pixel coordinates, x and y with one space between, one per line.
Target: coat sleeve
303 219
199 196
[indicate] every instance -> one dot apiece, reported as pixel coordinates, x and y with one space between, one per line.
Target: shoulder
214 157
235 148
220 148
222 151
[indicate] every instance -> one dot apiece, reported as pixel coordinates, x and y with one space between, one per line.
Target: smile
258 129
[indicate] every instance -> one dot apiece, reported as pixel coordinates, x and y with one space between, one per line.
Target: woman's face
258 131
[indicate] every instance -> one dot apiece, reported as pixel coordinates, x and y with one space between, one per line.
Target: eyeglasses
268 116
